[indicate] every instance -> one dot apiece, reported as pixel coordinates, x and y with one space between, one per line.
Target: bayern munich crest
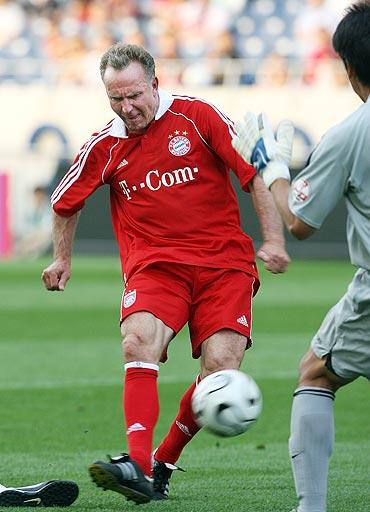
129 299
179 145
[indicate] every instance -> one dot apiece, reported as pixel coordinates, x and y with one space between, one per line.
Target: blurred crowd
195 42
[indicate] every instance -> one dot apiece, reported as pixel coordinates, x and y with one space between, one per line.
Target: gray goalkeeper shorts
344 335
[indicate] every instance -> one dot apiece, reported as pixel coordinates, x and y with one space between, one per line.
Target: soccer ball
227 403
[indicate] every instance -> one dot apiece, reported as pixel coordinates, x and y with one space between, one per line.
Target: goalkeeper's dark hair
120 55
351 40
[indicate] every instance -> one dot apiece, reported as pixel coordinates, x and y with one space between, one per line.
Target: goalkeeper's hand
256 143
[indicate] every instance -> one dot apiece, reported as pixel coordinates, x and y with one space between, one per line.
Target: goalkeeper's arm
296 227
256 143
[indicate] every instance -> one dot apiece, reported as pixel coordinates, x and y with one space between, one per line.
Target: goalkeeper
338 167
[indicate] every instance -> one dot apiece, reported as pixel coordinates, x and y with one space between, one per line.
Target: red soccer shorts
208 299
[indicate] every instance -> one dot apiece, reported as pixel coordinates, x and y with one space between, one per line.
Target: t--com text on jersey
154 180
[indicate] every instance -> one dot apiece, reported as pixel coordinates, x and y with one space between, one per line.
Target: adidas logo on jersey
135 427
243 320
122 163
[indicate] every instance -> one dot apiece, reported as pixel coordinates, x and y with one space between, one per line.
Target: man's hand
274 257
56 275
256 143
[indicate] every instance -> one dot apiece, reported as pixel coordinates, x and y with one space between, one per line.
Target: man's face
131 96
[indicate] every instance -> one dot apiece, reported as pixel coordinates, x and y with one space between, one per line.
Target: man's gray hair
120 55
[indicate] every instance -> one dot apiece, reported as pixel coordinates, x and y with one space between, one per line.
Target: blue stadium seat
267 21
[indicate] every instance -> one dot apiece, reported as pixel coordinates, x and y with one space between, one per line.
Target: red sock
141 408
182 430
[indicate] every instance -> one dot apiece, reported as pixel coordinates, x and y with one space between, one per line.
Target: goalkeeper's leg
312 432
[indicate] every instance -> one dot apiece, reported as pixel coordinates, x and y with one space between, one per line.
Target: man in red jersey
166 159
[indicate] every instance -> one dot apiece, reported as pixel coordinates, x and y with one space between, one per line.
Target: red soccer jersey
170 190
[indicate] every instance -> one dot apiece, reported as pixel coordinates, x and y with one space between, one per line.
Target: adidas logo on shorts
243 320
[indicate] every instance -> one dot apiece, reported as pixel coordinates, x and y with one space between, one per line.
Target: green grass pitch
61 380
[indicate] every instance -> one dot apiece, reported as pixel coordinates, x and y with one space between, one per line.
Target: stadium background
242 55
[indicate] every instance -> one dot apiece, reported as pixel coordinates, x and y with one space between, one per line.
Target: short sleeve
319 186
81 180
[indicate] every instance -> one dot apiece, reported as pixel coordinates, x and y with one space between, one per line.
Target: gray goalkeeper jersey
339 167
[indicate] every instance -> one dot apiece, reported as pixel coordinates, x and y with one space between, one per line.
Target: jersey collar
118 128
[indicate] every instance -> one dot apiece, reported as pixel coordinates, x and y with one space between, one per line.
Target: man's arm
272 251
299 229
56 275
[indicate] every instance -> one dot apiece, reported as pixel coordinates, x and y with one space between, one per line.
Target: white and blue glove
256 143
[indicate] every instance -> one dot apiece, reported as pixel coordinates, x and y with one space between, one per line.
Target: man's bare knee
133 348
222 351
314 372
215 364
144 337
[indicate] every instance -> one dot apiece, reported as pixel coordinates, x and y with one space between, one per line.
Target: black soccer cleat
54 493
124 476
162 472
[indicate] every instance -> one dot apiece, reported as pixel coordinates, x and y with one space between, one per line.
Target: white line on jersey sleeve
76 170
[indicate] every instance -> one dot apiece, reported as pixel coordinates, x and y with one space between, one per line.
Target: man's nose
126 106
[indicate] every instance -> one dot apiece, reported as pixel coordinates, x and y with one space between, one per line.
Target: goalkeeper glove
256 143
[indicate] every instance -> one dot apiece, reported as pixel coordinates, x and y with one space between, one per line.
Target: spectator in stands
63 35
213 68
221 52
34 240
320 62
12 23
273 71
317 14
